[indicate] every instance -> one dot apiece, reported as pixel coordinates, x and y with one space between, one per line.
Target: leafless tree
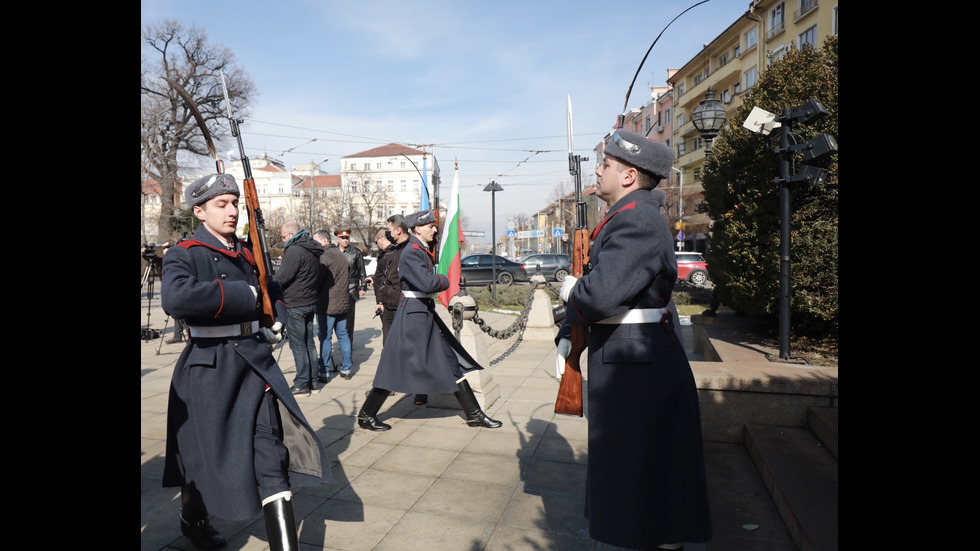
367 205
170 139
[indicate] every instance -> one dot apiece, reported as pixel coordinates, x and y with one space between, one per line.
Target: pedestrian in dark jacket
332 312
645 478
421 355
301 277
356 285
237 441
387 289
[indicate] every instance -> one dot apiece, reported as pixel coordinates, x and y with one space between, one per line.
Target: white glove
564 347
566 287
273 334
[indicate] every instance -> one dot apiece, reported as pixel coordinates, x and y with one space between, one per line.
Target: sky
481 84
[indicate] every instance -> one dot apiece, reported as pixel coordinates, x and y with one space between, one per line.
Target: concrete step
801 475
823 424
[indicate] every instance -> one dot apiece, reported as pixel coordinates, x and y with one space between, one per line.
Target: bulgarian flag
452 236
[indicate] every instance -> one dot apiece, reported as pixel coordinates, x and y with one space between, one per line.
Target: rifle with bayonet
256 221
569 400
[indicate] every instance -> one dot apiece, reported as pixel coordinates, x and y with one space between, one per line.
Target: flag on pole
452 236
424 203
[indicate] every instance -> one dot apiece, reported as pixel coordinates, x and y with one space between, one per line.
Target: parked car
692 267
553 266
478 269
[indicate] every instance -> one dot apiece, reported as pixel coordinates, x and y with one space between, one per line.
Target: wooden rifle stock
256 236
569 400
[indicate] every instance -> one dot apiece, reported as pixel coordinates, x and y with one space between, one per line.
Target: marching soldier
421 356
237 441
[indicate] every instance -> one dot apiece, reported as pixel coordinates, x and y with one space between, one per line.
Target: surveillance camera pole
785 175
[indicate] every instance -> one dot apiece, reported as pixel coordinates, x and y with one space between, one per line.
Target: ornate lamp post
493 188
708 119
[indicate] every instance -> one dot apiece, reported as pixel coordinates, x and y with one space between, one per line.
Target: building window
777 19
698 78
403 164
379 186
404 186
681 147
666 116
416 185
737 51
751 38
751 77
353 187
391 185
649 125
723 59
377 166
680 89
737 88
809 36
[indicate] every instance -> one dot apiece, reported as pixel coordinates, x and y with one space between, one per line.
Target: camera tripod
152 270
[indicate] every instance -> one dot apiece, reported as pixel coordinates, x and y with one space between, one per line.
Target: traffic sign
680 236
556 232
511 234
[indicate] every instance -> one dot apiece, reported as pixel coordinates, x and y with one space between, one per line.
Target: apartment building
387 180
729 66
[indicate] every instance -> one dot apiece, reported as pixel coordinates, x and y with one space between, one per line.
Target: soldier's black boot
194 524
367 418
280 523
471 407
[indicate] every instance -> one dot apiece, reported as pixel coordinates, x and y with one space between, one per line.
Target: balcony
806 7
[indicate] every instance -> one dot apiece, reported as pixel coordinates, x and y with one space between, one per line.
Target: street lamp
708 119
313 189
493 188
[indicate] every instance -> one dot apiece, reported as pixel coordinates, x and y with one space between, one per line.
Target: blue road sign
556 233
511 234
680 236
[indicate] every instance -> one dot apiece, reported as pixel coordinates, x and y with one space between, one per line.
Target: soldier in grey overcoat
421 355
237 441
645 482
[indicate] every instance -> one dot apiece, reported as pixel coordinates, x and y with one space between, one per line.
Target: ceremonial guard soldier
645 481
237 441
421 356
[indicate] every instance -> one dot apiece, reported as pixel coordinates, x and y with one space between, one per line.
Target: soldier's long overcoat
421 355
645 476
218 383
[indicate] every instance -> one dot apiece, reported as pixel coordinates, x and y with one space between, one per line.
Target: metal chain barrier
457 312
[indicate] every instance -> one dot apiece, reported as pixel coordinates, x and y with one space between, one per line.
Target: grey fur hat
209 187
420 218
642 152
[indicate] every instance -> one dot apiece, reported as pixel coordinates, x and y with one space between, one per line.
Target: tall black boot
471 407
280 523
194 524
367 418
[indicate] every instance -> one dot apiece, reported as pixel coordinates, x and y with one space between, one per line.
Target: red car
692 267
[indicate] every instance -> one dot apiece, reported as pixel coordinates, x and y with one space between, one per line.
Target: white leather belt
219 331
637 315
413 294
